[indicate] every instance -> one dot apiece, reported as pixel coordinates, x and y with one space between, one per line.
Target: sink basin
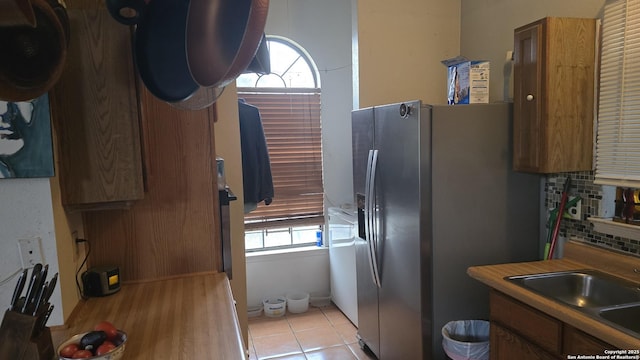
625 316
583 289
606 298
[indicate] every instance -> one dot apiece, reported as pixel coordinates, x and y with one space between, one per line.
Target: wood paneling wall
174 229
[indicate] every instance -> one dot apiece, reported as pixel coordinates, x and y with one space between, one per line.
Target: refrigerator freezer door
362 142
398 211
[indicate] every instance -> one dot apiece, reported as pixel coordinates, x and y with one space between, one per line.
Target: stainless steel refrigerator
435 194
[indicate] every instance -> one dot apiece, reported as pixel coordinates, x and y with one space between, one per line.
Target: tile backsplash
582 185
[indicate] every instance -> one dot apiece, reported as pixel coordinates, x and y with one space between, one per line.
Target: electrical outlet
509 55
575 212
30 252
75 246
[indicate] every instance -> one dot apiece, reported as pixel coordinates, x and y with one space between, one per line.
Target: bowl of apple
104 342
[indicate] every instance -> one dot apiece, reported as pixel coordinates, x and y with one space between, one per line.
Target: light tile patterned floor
319 334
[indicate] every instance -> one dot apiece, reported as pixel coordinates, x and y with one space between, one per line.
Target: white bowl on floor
298 302
275 306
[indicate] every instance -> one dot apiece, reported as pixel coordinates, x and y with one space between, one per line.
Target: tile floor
320 334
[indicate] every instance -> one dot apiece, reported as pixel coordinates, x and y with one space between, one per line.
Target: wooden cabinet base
508 345
577 342
519 331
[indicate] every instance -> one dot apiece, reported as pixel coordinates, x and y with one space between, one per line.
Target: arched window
289 102
291 67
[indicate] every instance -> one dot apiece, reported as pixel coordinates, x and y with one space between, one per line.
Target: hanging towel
256 167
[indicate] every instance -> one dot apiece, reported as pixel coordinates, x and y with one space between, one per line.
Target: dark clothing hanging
256 167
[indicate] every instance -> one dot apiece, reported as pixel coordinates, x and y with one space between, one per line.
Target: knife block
22 339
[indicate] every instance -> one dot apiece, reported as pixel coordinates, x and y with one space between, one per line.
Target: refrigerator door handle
367 213
370 215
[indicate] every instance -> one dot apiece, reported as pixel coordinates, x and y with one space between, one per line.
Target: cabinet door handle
529 97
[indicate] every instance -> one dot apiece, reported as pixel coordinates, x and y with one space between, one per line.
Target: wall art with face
26 149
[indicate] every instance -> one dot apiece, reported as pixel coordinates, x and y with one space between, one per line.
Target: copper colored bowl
33 57
223 37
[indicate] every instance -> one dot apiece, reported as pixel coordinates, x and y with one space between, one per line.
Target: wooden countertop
187 317
577 256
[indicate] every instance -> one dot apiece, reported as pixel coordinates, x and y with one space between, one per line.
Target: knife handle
45 317
27 299
39 298
18 290
52 287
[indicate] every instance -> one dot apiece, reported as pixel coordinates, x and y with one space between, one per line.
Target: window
618 140
289 104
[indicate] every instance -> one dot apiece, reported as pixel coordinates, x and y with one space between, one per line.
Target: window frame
316 218
618 128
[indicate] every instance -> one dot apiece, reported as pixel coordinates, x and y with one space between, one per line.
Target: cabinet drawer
540 328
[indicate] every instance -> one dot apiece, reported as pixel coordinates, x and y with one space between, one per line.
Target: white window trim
618 136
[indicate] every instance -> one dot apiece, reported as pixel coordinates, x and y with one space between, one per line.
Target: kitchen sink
584 288
625 316
606 298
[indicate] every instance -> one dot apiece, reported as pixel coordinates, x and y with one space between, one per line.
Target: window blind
292 127
618 134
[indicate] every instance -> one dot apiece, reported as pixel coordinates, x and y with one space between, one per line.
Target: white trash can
466 339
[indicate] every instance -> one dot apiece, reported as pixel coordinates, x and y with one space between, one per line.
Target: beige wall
401 44
227 141
70 256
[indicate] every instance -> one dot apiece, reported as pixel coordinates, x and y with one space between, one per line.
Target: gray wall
487 33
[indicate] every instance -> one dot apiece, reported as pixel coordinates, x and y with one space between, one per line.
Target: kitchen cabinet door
577 342
508 345
519 331
554 64
95 114
175 229
542 330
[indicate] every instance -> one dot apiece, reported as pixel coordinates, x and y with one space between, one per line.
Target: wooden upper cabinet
95 113
554 65
175 229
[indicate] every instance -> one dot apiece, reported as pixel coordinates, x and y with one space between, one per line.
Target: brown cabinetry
577 342
506 344
519 331
174 230
95 112
546 330
554 62
167 225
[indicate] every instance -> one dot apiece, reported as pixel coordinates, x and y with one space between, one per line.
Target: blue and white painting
26 149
